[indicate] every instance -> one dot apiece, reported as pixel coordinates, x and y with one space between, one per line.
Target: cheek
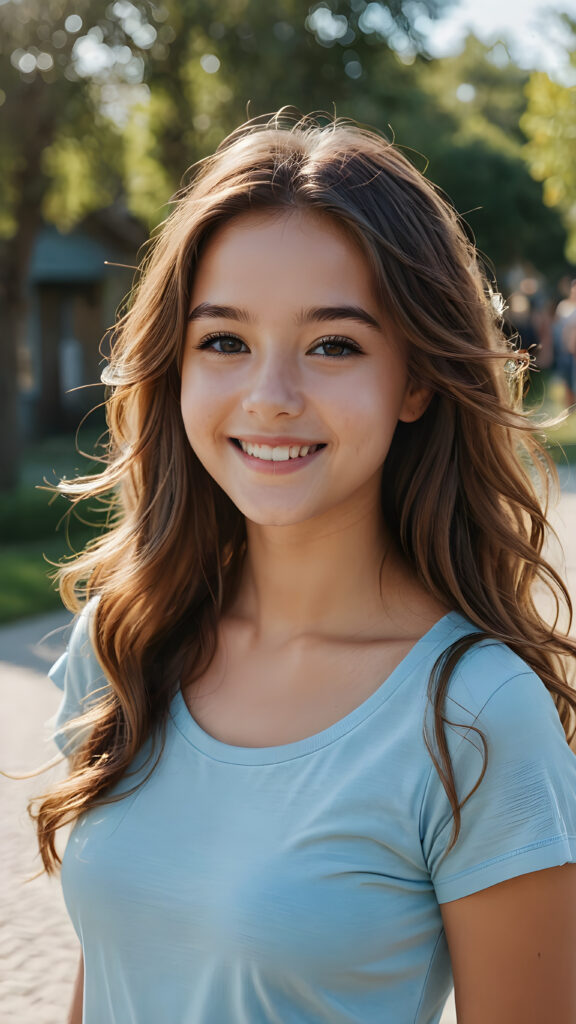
368 416
195 415
200 401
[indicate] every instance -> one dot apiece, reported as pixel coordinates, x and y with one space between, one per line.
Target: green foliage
148 183
81 174
35 510
550 125
31 513
25 587
255 58
501 203
60 59
482 88
28 513
9 164
36 531
479 159
251 58
26 576
58 154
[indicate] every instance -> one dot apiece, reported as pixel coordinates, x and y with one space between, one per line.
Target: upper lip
276 442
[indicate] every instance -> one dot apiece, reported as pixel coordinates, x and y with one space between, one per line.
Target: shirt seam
425 981
538 845
432 769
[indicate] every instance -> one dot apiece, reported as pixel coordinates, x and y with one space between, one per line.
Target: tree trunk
9 404
14 263
29 184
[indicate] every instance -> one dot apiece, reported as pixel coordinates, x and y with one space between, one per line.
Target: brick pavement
38 947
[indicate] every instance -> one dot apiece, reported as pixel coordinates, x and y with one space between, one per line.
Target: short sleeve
522 817
80 677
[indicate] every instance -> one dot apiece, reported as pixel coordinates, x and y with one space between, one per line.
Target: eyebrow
355 313
207 310
316 314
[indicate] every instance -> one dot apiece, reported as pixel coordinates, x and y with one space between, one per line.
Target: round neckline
220 751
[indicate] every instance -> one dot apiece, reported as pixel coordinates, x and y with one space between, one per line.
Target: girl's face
292 382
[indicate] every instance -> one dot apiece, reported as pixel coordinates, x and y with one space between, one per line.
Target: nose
274 390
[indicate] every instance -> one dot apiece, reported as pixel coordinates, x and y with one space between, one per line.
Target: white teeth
278 453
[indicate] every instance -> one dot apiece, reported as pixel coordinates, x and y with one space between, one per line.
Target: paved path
38 948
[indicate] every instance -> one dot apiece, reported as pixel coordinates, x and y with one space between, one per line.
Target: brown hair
459 490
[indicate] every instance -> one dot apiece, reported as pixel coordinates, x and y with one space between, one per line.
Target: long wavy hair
464 489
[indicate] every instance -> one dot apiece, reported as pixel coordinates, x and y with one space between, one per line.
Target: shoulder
514 776
502 730
78 674
492 683
79 655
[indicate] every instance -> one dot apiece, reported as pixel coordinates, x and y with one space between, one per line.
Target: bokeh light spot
209 63
353 69
326 25
466 92
73 23
202 122
45 61
27 63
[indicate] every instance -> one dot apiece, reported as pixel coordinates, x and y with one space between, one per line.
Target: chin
274 517
279 519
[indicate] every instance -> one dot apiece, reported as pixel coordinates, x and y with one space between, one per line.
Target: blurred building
74 296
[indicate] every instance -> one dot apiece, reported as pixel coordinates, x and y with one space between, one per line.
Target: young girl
316 721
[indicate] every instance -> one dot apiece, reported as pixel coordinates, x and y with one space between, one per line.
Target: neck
321 579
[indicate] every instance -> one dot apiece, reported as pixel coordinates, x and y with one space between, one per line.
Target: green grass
25 585
35 530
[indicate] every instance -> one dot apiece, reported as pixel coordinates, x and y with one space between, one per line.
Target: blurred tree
59 153
550 126
481 83
480 162
462 112
214 66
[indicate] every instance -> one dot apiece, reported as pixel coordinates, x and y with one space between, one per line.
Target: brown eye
225 344
336 347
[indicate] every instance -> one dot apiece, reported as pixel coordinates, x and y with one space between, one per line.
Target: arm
569 338
513 950
75 1014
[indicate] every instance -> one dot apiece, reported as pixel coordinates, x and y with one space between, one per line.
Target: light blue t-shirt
301 884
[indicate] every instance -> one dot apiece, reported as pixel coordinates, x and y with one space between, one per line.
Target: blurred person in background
564 337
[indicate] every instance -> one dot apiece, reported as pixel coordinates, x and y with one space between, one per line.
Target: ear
417 398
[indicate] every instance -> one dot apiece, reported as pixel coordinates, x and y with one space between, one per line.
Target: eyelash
349 347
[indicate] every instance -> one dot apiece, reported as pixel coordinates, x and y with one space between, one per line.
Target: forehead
294 256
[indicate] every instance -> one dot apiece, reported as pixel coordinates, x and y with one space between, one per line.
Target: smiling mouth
276 453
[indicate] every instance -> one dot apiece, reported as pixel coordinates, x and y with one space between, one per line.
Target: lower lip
276 468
